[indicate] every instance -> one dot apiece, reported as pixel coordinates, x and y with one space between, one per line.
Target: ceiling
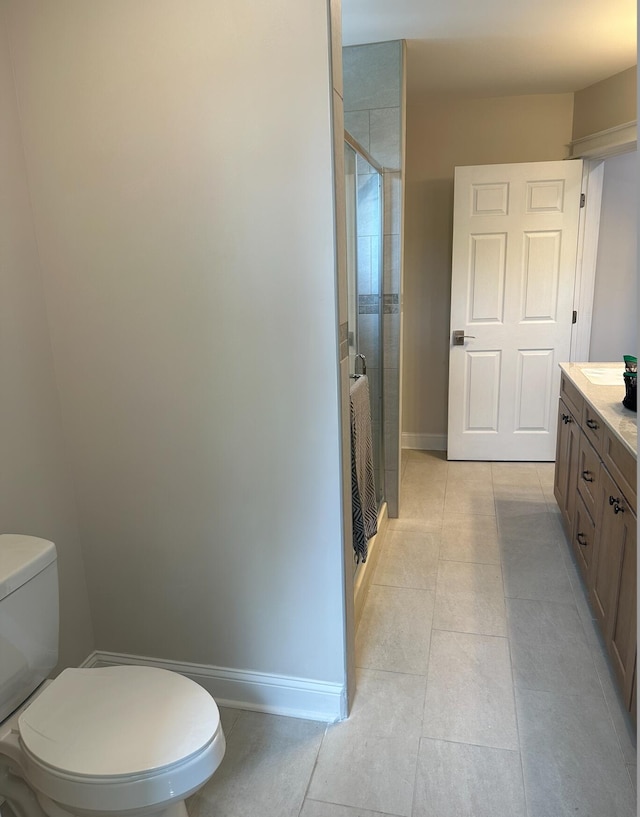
500 47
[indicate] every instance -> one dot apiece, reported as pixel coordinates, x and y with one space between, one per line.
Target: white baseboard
424 442
257 691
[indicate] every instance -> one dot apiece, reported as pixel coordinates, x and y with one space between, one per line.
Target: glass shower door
364 275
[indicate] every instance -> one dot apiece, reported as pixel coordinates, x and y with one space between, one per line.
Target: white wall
614 327
36 495
180 162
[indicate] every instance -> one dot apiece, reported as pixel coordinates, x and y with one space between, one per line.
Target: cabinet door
583 538
622 644
567 453
606 557
562 460
613 585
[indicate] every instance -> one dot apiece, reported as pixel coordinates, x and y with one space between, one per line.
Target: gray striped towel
363 489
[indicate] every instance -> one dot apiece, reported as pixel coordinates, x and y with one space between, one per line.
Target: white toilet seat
120 738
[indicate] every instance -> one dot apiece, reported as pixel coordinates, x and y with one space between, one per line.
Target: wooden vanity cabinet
595 487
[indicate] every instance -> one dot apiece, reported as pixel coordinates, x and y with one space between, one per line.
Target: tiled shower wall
374 80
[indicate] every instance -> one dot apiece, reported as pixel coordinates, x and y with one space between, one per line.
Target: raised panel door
513 275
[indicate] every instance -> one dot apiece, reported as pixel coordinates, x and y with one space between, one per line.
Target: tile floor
482 687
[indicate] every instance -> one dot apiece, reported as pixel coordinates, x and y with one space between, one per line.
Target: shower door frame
359 149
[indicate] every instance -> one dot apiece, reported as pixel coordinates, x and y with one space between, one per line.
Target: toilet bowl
104 742
115 740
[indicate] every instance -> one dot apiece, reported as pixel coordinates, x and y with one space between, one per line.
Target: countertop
607 401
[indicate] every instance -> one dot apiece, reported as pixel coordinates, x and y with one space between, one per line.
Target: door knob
459 336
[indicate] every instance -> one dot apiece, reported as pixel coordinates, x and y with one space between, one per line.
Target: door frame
593 150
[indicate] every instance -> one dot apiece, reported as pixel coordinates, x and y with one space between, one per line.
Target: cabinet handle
592 424
618 508
614 500
586 476
582 541
566 418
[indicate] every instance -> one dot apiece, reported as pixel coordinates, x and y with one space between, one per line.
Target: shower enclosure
364 275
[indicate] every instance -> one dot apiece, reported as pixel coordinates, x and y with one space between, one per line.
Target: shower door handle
364 363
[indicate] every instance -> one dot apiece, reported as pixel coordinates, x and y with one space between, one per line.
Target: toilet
123 740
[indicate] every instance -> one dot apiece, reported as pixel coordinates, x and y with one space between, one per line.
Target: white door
515 232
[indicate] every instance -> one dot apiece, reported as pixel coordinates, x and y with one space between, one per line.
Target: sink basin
604 377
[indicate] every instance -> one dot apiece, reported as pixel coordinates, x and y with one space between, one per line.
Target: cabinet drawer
588 475
571 396
621 465
593 427
584 532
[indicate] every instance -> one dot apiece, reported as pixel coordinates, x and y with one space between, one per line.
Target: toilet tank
28 617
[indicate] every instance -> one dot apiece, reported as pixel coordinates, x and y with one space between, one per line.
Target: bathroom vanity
595 487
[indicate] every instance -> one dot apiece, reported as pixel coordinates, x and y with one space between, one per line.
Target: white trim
588 234
609 142
424 442
365 571
256 691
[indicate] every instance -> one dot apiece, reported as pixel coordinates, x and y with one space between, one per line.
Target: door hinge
574 318
583 199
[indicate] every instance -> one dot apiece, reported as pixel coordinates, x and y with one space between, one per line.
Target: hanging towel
363 489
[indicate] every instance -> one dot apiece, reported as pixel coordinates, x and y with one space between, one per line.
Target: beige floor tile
469 691
470 538
434 458
417 474
473 472
632 769
315 808
228 718
395 630
546 473
621 720
266 769
368 761
409 560
532 527
544 622
515 474
418 503
466 498
431 525
566 668
470 613
456 779
535 570
376 773
469 577
571 759
513 499
387 704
